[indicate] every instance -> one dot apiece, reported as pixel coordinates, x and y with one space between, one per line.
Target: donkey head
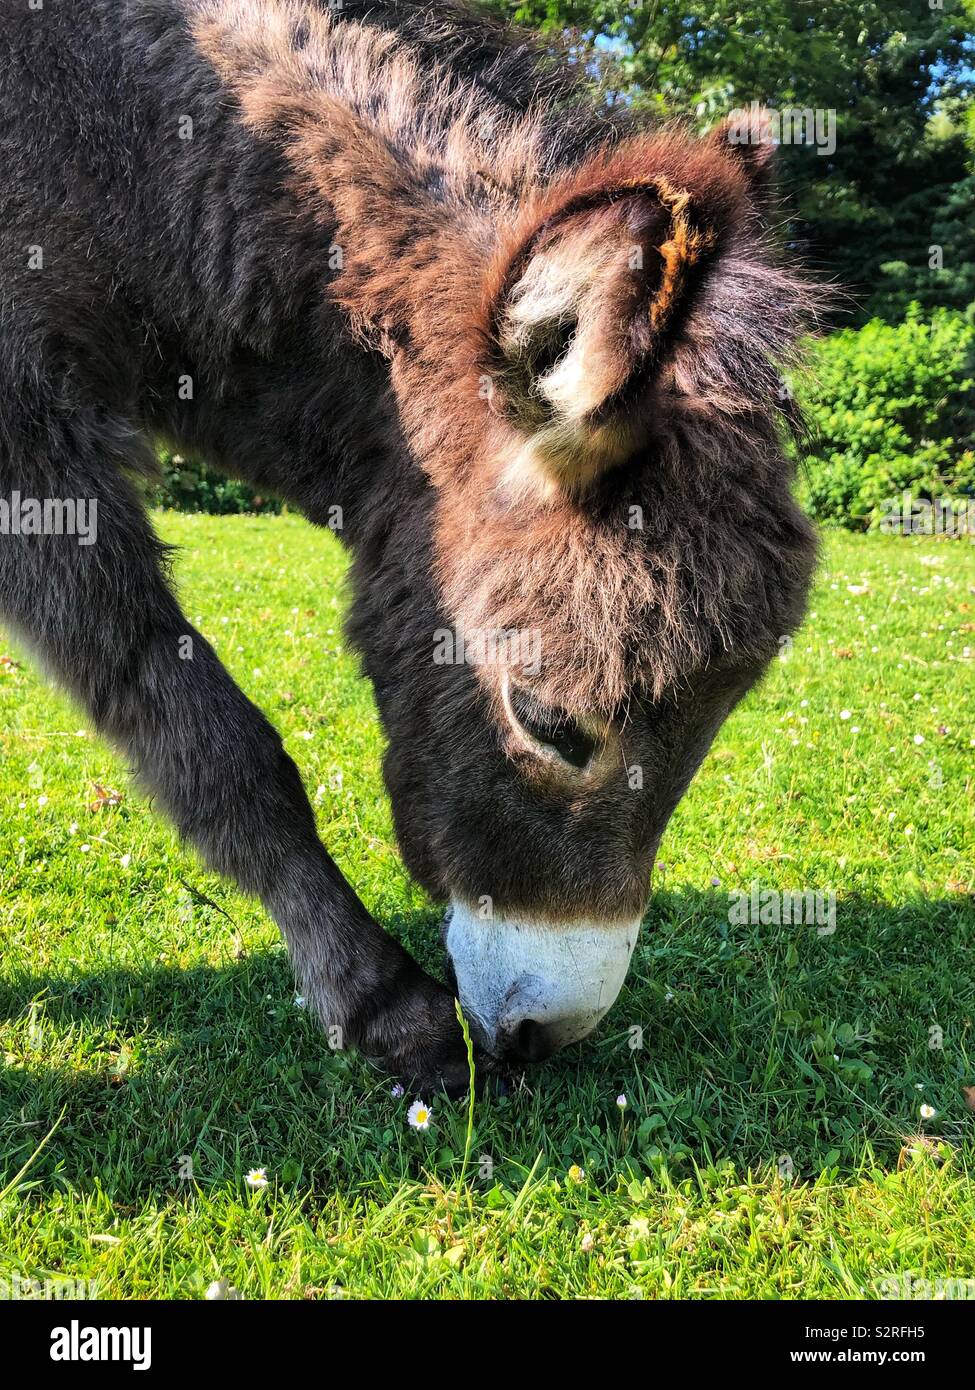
582 548
603 559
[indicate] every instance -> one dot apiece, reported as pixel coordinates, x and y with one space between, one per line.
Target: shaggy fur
533 351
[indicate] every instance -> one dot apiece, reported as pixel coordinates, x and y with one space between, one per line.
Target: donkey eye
554 729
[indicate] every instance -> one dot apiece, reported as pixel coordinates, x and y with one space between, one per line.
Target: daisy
397 1091
927 1112
221 1289
419 1115
256 1179
621 1101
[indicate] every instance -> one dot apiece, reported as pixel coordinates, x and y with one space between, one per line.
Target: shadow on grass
736 1042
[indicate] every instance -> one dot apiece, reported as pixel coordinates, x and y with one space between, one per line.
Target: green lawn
772 1145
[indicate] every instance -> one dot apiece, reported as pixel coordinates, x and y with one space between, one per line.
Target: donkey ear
748 136
585 303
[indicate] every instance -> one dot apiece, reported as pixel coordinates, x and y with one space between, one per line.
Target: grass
772 1145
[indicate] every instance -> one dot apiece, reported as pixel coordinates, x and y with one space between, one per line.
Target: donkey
394 263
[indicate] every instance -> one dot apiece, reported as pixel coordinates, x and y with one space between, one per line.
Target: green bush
190 486
889 411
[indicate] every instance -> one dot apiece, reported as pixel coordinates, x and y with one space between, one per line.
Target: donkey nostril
531 1041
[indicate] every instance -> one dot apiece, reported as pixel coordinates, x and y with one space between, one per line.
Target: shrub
190 486
888 410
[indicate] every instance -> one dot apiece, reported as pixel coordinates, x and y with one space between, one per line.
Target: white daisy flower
419 1115
256 1179
221 1289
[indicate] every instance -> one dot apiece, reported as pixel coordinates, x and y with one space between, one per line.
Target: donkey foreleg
103 620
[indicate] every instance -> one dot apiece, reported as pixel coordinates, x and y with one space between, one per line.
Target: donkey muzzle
530 987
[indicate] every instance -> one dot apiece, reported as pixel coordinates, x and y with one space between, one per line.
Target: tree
890 211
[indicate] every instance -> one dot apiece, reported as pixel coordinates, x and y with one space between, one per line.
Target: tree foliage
890 213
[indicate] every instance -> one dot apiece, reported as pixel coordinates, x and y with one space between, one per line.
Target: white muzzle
533 987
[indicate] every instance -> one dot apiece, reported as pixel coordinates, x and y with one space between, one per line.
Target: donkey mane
655 541
453 93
